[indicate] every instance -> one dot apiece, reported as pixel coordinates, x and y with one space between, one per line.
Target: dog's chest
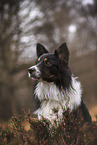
54 101
48 91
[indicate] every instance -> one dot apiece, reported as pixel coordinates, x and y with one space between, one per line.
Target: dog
56 89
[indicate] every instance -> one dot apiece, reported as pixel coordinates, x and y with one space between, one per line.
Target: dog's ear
63 53
40 49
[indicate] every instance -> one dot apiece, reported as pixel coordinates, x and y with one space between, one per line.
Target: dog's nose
31 70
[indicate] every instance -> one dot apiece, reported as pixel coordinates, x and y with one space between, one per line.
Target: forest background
24 23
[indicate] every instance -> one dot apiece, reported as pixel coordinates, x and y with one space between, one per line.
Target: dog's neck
50 92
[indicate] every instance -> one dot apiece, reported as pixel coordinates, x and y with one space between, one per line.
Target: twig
77 140
63 139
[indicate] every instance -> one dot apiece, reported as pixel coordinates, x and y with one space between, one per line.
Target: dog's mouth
33 76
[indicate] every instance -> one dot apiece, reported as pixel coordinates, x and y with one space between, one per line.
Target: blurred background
24 23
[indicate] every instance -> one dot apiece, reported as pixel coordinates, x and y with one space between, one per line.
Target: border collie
56 89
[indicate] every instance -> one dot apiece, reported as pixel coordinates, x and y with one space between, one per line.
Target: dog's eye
47 62
38 59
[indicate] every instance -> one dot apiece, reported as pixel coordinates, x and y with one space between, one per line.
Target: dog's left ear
40 49
63 53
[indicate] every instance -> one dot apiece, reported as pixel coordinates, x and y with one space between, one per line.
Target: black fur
40 50
82 112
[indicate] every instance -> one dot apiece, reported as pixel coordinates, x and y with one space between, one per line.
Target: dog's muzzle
34 72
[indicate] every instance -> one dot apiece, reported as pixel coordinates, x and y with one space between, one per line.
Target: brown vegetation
36 132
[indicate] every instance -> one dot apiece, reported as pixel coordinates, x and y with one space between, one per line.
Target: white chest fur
54 99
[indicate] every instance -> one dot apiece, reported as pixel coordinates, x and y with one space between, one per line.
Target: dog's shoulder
82 112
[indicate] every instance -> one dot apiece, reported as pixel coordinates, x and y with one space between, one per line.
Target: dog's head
51 67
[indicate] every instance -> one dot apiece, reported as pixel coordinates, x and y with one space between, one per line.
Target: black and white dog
57 88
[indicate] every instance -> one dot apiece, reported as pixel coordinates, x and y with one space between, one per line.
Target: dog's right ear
40 49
